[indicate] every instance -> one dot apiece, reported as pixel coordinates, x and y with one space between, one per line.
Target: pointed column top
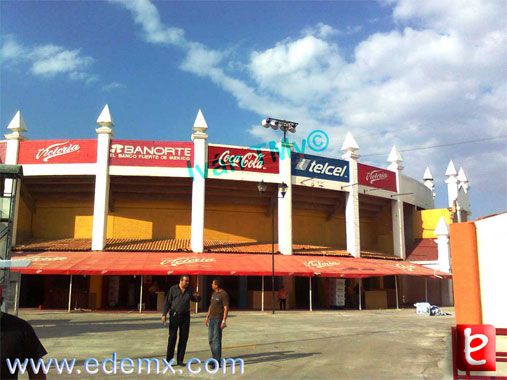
427 175
462 176
442 228
200 124
349 144
394 155
17 126
350 147
200 127
396 162
105 119
428 181
451 170
463 180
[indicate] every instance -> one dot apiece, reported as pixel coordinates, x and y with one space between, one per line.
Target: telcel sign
306 165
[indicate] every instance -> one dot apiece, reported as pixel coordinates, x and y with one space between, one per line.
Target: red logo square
476 347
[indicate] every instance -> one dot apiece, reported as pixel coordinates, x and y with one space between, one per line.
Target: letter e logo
476 347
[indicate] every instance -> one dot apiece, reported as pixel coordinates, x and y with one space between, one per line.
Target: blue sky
414 74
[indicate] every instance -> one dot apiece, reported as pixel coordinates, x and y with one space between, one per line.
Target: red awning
173 263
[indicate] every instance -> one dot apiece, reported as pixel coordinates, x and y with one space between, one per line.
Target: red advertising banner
242 159
151 153
58 152
376 177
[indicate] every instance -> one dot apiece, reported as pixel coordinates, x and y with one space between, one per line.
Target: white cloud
10 51
112 86
48 60
200 60
298 70
439 76
146 15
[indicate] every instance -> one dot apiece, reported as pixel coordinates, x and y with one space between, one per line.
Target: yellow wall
233 222
376 233
149 220
96 287
311 227
425 222
59 220
24 228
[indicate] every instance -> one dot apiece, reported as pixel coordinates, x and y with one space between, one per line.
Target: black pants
283 304
181 322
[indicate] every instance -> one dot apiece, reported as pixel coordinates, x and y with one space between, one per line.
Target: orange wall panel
465 270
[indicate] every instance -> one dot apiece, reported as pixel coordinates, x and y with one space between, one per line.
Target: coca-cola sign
186 261
58 152
239 159
376 177
151 153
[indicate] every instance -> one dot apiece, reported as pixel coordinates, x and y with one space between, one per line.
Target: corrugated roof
183 245
55 245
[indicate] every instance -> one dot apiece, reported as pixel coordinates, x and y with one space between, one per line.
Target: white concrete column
17 127
352 198
200 139
141 294
69 305
442 240
101 202
396 165
262 294
463 181
444 260
452 184
17 294
428 181
285 202
463 196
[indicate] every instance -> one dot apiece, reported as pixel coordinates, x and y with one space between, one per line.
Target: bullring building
110 224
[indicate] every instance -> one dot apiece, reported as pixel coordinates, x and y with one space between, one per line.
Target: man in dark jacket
177 303
18 341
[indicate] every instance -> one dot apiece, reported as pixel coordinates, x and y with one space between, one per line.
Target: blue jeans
215 338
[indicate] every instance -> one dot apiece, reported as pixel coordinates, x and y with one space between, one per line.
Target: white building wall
420 195
491 251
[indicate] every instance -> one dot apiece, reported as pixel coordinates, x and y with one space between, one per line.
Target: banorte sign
376 177
58 152
151 153
238 159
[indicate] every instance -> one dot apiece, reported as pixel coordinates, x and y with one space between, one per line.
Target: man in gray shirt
217 317
177 303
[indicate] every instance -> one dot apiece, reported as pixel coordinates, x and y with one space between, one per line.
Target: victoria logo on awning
41 259
321 264
186 260
320 167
